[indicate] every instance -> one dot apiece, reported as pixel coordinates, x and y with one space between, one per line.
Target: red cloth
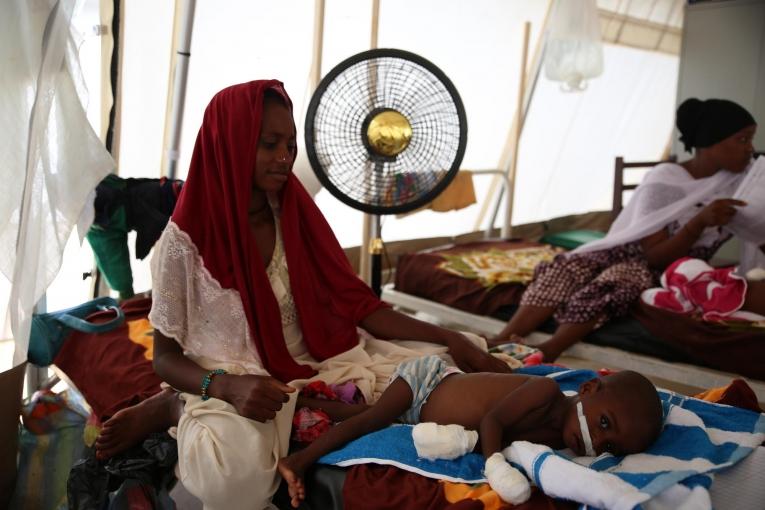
308 424
376 487
213 210
738 394
691 285
110 371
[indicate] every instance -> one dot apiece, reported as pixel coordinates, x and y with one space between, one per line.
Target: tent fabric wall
52 158
654 25
478 48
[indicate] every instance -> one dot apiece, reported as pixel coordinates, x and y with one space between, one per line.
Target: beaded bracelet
207 379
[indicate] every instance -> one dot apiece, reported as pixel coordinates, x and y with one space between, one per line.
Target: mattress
733 489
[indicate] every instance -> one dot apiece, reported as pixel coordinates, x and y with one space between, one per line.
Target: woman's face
735 152
276 147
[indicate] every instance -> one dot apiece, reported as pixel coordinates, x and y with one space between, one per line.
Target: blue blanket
698 439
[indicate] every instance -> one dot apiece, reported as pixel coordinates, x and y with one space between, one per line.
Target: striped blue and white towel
699 438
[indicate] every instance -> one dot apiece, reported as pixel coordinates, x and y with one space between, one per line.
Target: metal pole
508 222
368 221
183 55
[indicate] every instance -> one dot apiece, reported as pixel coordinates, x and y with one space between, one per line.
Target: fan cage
336 143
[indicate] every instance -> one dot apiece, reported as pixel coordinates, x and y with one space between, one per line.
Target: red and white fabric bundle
691 286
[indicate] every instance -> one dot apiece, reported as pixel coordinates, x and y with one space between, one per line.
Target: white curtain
51 157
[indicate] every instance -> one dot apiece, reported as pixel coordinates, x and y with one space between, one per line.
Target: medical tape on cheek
586 439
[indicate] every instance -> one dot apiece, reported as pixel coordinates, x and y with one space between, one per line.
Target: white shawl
667 194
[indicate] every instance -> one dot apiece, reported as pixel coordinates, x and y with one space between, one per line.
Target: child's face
276 147
612 424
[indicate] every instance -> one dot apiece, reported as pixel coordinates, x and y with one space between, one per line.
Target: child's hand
717 213
258 397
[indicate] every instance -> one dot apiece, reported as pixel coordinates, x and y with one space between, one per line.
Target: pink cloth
308 424
691 286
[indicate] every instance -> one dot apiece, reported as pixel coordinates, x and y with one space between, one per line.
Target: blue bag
49 330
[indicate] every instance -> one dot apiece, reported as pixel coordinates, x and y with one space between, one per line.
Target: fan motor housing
386 133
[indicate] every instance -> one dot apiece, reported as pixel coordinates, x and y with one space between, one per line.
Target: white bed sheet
743 485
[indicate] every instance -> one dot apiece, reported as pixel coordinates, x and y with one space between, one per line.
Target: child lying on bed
620 413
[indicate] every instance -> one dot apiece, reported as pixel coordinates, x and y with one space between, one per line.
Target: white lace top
208 321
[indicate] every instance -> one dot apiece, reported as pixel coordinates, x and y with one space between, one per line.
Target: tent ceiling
647 24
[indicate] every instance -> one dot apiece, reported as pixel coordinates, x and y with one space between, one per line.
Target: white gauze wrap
586 439
506 481
433 441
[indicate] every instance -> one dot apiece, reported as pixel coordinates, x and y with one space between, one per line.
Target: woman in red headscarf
251 292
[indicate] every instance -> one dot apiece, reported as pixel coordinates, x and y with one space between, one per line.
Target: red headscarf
213 210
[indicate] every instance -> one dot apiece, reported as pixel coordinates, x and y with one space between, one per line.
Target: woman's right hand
717 213
258 397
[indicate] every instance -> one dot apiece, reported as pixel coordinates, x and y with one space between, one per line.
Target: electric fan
385 133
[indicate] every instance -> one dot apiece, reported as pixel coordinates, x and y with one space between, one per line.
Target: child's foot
294 478
130 426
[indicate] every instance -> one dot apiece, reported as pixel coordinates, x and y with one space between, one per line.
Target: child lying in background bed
620 413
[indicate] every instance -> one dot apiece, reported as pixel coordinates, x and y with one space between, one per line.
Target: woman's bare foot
294 478
130 426
549 353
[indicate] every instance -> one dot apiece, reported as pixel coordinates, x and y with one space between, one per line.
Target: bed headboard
620 186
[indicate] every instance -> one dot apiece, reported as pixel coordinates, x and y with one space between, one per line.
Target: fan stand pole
370 224
375 254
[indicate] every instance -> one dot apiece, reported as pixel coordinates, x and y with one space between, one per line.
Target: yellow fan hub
389 133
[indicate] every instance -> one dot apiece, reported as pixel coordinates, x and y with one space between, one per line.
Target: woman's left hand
470 358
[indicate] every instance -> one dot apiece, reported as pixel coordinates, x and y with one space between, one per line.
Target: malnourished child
620 413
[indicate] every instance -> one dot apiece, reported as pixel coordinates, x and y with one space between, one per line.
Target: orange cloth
141 332
459 194
460 495
738 393
455 492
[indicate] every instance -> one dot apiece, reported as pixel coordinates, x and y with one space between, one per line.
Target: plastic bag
140 477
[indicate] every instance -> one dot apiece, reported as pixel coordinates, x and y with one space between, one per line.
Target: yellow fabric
493 267
454 492
141 332
459 194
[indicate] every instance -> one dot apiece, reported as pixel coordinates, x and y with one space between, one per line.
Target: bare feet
130 426
294 478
